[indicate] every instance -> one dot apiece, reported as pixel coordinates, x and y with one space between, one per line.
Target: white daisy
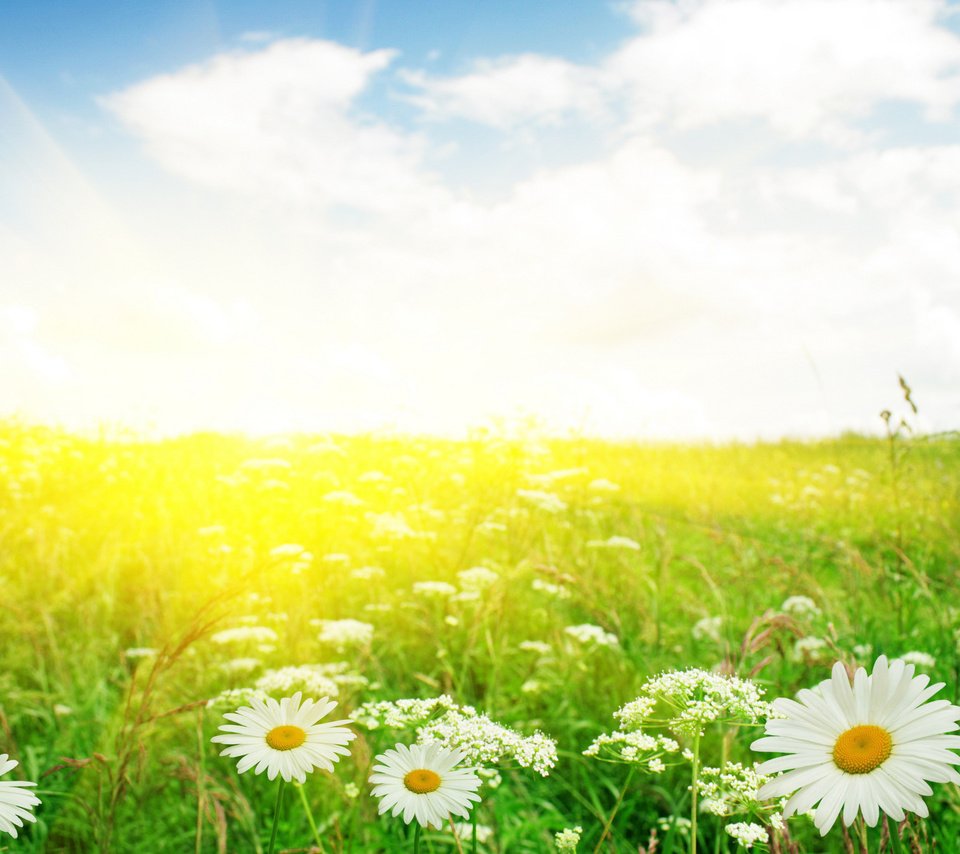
15 801
284 738
864 748
422 781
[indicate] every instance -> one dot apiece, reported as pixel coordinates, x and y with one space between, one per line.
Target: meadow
148 584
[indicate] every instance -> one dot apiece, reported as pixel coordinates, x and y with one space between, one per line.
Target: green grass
112 544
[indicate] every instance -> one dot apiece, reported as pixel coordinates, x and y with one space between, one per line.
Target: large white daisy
870 747
16 800
423 781
284 738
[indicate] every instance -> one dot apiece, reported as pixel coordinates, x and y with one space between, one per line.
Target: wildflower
801 607
546 501
707 628
352 791
557 590
424 782
919 659
16 802
863 748
284 738
614 543
482 740
601 484
308 678
588 634
140 652
656 766
477 578
244 634
345 633
240 665
465 831
810 648
568 839
539 647
746 833
434 589
367 573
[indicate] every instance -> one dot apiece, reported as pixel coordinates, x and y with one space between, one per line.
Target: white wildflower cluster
707 629
810 649
140 652
539 647
614 543
568 839
477 578
245 634
306 678
666 823
863 650
601 484
919 659
434 589
400 714
234 698
344 634
465 831
390 526
747 834
698 697
591 635
442 721
801 607
732 789
240 665
556 590
634 746
546 501
367 573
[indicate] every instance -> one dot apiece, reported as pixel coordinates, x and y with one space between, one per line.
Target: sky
701 219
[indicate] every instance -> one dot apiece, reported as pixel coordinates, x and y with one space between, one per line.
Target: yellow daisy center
861 749
286 737
422 780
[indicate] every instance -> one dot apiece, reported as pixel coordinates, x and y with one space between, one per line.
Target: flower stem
416 839
276 817
313 824
473 844
862 832
694 792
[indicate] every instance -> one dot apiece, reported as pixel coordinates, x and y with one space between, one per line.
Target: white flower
308 678
746 834
345 633
16 802
546 501
465 831
863 748
708 627
424 782
539 647
614 543
284 738
919 659
568 838
557 590
244 634
589 634
601 484
140 652
801 607
477 578
434 589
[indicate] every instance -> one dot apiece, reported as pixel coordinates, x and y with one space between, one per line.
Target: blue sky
712 219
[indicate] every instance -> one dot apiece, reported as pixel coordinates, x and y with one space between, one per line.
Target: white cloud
280 123
512 91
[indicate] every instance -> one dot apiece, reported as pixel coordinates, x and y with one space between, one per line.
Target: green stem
473 844
276 817
694 792
313 824
416 839
862 831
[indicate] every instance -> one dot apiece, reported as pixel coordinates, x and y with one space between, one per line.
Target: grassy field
123 564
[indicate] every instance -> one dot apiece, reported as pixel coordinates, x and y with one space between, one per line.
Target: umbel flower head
284 738
424 782
16 800
871 746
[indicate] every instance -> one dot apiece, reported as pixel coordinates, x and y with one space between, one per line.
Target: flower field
592 634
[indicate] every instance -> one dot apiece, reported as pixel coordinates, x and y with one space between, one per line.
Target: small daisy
284 738
423 781
864 748
15 801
